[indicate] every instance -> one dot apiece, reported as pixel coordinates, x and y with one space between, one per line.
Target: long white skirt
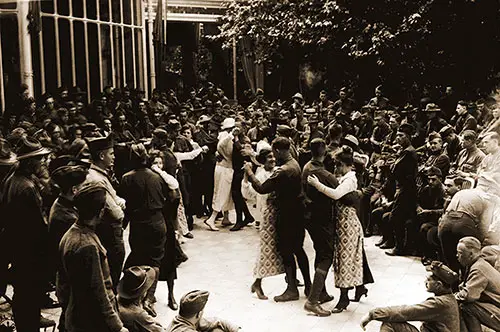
222 200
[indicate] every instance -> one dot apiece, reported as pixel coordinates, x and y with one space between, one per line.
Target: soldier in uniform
285 184
190 318
110 231
439 313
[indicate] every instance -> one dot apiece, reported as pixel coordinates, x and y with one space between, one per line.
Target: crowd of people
426 178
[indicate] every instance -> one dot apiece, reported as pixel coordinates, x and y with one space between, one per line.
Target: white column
2 89
152 73
144 71
26 65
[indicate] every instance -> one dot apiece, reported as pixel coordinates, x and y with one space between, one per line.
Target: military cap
139 152
284 130
72 175
160 133
406 128
100 144
193 302
88 190
443 273
446 130
259 92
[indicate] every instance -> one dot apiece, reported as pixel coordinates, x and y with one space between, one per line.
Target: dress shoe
394 252
172 304
316 309
387 245
150 308
189 235
324 297
360 291
211 226
49 303
288 295
258 290
341 306
237 227
381 241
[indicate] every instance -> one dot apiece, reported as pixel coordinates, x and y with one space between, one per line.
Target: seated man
469 158
132 290
437 313
429 210
479 292
191 318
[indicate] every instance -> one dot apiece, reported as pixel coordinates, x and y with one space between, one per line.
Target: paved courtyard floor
222 262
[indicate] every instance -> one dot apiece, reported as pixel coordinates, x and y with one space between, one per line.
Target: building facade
88 44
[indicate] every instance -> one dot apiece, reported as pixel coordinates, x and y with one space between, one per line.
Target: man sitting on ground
479 292
132 290
437 313
191 318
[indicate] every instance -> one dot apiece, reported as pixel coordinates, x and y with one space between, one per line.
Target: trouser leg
474 315
26 305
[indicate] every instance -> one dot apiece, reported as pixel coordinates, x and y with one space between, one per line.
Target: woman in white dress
269 262
348 254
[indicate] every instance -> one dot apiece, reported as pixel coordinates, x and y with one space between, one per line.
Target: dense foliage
409 43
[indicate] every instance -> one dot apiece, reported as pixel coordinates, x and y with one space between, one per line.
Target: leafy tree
406 44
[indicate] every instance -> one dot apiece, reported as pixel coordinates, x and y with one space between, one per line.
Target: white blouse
347 183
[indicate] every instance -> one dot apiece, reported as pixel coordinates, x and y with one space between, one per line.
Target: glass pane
49 54
129 53
8 5
47 6
127 12
107 78
116 10
94 49
138 59
63 7
10 60
80 51
91 9
117 44
77 8
65 52
104 10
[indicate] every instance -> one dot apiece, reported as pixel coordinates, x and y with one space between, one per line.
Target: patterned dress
348 246
348 254
269 262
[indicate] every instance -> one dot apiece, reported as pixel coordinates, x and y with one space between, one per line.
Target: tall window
91 44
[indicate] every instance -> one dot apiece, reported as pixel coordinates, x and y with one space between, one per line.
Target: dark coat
84 283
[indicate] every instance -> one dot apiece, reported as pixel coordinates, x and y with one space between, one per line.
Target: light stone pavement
221 262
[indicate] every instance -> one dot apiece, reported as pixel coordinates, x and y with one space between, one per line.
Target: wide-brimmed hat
431 107
351 141
204 118
407 128
31 147
7 157
228 123
298 96
136 281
